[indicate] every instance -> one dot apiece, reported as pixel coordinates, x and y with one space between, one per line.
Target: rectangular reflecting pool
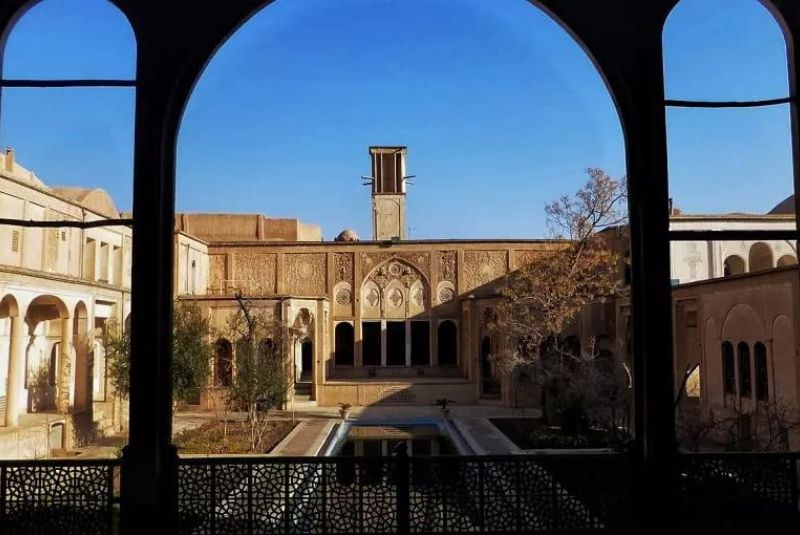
385 440
421 437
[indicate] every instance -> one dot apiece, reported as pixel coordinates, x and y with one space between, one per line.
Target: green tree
117 345
191 354
192 351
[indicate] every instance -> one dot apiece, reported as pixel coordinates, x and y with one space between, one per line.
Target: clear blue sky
500 109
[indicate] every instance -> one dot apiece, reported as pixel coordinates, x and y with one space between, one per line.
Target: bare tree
763 426
260 381
542 298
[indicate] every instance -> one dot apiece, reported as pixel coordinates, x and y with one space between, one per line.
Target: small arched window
787 260
745 380
343 342
762 374
728 369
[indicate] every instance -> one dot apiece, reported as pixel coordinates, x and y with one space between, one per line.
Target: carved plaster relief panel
482 267
447 266
370 300
524 258
255 273
445 292
416 301
395 299
216 275
343 299
305 273
343 267
419 260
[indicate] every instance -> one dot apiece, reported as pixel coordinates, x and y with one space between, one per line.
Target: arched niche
395 300
445 292
370 300
344 344
417 299
760 257
742 322
787 260
733 265
342 299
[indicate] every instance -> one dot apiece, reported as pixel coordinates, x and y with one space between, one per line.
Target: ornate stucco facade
386 321
381 321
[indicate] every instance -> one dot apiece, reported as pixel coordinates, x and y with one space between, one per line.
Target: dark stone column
644 118
149 462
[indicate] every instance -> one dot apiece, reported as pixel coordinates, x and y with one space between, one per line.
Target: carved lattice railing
58 496
517 494
740 490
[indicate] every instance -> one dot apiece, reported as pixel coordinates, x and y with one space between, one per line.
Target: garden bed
214 438
532 434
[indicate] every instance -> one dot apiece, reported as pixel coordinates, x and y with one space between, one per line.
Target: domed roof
786 206
347 235
92 198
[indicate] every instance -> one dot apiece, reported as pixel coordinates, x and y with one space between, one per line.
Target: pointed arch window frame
733 235
50 83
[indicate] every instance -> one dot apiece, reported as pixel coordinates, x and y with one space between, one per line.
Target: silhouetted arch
344 340
787 260
447 336
36 8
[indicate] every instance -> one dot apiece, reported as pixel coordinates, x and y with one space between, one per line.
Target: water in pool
384 440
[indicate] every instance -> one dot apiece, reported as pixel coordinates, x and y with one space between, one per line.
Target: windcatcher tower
388 193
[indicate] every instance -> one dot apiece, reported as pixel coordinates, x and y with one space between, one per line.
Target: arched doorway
306 361
48 355
343 340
